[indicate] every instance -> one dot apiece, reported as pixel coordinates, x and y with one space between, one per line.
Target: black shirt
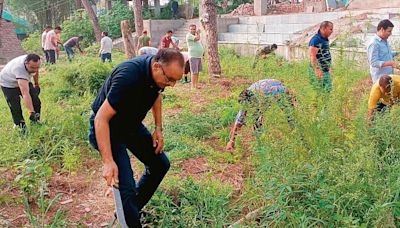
131 91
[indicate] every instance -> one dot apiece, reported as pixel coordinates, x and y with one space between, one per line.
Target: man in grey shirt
16 82
380 55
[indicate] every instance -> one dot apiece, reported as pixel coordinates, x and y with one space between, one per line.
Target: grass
331 170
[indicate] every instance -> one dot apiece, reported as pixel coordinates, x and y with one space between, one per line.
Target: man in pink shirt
50 44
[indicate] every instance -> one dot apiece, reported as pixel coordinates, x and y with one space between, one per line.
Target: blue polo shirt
131 91
323 55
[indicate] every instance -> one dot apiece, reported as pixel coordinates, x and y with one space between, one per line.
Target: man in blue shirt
133 88
380 55
320 57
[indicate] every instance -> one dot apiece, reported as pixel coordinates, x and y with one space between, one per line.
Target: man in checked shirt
261 94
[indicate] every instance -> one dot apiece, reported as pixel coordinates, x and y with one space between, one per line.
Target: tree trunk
93 19
109 5
129 45
78 4
125 2
137 13
1 8
145 4
209 9
157 8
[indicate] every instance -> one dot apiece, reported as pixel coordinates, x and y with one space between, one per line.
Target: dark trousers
13 98
51 55
135 195
70 52
105 56
46 54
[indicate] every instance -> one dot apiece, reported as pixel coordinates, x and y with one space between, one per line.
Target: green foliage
111 21
78 25
32 174
43 217
33 44
190 205
85 76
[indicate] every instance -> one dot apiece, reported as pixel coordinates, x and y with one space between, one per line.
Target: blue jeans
70 52
135 196
105 56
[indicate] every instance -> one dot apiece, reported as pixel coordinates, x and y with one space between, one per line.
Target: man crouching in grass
133 88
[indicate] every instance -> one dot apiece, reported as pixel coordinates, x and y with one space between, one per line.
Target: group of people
134 88
192 58
51 39
385 90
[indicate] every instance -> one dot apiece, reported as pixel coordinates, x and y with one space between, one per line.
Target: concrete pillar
260 7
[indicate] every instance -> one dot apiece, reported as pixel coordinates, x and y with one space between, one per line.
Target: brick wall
288 8
314 5
10 46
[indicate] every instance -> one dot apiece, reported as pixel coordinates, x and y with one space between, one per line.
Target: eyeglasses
167 79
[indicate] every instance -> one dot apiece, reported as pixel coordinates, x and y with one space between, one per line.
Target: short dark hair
274 46
32 57
48 27
384 24
169 31
144 31
325 24
384 81
105 33
58 28
80 37
169 55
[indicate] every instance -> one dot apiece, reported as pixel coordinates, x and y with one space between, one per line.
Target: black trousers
51 55
13 98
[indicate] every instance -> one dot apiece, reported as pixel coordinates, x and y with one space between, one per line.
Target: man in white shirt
106 46
16 82
51 45
45 31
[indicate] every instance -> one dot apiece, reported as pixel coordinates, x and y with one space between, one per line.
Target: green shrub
78 25
111 21
33 44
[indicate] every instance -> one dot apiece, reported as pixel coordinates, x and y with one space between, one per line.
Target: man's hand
110 173
158 140
34 117
230 145
319 73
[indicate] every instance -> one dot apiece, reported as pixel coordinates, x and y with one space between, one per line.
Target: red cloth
165 42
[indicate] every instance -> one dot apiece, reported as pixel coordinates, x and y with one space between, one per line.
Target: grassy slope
337 176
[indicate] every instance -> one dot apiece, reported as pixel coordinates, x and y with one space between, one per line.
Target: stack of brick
285 8
243 10
10 46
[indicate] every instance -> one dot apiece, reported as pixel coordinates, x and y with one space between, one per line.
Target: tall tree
129 44
93 19
1 8
157 8
209 22
145 4
109 4
78 4
137 12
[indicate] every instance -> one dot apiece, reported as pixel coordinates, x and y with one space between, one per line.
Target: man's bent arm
102 130
36 79
313 57
156 109
24 88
